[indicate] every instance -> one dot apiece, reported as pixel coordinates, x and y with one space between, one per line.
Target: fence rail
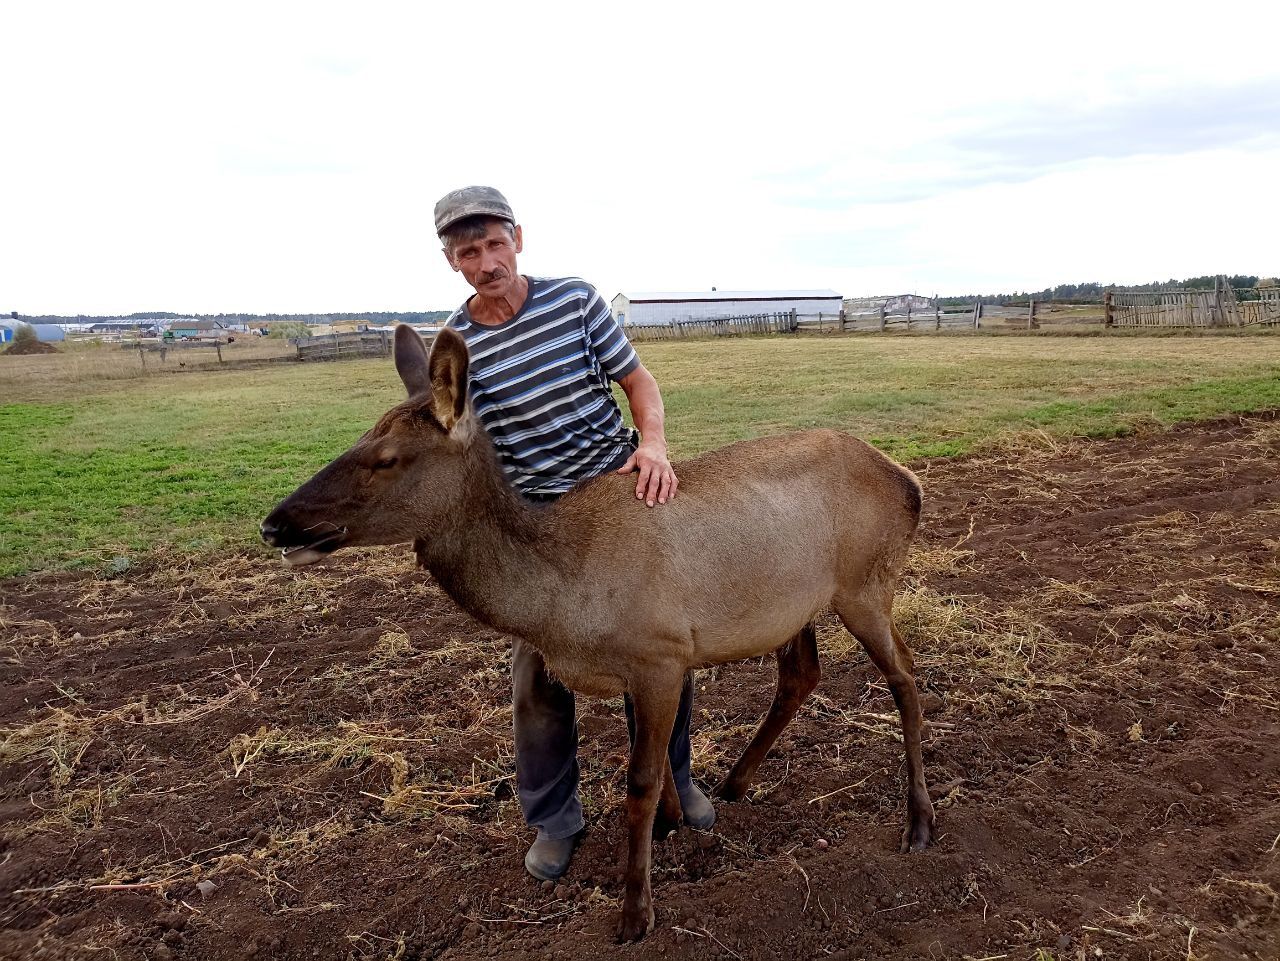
1220 307
163 347
1264 311
367 343
872 314
737 326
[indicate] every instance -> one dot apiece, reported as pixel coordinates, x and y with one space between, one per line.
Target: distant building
191 327
45 333
890 304
123 327
671 307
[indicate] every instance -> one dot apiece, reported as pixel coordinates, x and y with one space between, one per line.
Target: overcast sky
280 157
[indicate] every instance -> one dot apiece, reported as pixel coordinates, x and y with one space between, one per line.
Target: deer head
400 480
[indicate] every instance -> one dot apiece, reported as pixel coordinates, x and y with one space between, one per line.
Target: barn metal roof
684 296
43 331
190 324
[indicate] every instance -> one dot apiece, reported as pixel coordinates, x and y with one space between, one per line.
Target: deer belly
584 678
754 632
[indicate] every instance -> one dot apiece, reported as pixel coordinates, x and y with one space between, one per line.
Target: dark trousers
546 729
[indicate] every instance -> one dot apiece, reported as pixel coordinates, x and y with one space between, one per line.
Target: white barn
669 307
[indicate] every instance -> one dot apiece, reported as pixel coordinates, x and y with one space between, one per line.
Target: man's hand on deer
657 482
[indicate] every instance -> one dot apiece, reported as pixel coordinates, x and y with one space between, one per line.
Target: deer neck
508 563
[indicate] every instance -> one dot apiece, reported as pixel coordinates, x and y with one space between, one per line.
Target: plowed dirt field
236 760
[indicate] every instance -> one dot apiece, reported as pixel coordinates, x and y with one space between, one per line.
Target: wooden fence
910 312
365 343
778 323
164 347
868 314
1220 307
1265 310
907 312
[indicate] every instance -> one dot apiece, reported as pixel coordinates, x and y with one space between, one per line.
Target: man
542 354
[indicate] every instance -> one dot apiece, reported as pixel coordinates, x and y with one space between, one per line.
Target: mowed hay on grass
91 366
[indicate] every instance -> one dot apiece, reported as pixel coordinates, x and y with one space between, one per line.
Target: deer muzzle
301 545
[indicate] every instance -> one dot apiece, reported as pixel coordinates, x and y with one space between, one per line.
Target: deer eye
385 463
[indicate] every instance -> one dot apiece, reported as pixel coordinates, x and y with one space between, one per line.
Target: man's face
489 264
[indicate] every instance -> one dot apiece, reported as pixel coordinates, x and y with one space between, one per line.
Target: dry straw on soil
1096 697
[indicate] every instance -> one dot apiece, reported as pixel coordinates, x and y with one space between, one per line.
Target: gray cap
470 202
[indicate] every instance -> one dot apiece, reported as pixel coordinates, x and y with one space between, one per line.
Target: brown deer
618 597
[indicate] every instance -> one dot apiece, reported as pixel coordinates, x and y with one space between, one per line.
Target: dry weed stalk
60 738
392 645
79 809
367 946
925 562
352 743
1007 643
429 797
28 632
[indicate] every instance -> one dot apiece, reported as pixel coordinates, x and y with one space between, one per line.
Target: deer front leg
670 811
656 699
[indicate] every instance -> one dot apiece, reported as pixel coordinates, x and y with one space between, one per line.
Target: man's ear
411 361
519 239
447 368
449 257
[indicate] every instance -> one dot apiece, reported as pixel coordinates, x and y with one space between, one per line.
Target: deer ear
411 361
448 371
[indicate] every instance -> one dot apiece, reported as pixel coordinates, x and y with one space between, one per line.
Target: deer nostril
269 531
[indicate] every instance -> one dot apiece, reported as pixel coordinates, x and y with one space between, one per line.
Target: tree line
1092 292
378 317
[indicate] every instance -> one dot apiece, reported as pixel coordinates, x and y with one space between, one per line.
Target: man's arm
657 481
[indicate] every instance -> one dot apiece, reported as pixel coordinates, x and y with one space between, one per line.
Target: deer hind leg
656 699
868 616
669 812
798 674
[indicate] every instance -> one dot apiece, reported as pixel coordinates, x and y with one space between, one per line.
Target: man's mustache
488 278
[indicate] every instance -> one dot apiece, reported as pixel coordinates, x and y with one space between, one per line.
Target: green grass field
97 471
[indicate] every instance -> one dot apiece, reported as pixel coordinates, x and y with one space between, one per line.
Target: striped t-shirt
540 385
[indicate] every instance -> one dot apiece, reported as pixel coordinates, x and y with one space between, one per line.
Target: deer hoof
918 835
664 827
667 818
730 790
636 923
